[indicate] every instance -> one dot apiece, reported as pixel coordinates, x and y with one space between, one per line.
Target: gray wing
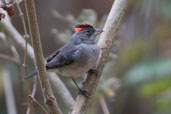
59 59
49 58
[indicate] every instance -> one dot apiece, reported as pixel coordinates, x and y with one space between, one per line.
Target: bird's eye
88 32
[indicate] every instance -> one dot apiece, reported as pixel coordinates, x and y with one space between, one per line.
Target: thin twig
26 35
34 100
38 104
6 57
30 108
49 98
105 43
103 104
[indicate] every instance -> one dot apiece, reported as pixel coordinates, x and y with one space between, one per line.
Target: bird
77 57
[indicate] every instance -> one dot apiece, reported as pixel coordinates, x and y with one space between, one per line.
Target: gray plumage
77 56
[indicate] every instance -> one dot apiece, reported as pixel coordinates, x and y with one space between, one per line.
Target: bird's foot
93 71
84 93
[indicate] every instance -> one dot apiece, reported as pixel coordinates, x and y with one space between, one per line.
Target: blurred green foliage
164 8
148 71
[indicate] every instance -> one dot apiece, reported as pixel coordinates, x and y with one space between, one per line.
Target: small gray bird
76 57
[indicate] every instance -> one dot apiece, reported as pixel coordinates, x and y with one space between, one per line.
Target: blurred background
137 76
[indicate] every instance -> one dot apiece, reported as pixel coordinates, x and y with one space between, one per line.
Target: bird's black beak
98 31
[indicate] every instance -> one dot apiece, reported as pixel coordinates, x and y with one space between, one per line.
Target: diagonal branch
49 98
105 43
38 104
9 58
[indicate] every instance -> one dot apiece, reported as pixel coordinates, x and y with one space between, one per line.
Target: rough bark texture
49 98
105 43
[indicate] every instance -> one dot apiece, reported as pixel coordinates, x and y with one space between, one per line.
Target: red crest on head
82 27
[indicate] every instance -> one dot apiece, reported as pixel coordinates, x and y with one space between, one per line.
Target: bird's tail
31 75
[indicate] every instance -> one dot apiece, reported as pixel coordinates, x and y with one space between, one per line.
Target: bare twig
6 57
105 43
30 108
26 34
49 98
103 104
20 41
38 104
9 95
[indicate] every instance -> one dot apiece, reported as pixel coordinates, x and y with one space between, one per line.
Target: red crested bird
76 57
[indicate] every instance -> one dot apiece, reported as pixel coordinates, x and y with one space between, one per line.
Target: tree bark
49 98
105 43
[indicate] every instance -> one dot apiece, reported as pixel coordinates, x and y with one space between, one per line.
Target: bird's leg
81 91
93 71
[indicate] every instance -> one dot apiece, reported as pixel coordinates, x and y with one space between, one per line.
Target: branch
38 104
65 94
105 43
9 58
9 94
30 107
49 98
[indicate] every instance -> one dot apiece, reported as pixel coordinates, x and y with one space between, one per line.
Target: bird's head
86 32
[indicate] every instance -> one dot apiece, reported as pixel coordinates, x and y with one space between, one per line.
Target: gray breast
86 58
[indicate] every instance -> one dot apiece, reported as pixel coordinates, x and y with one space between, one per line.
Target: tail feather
31 75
